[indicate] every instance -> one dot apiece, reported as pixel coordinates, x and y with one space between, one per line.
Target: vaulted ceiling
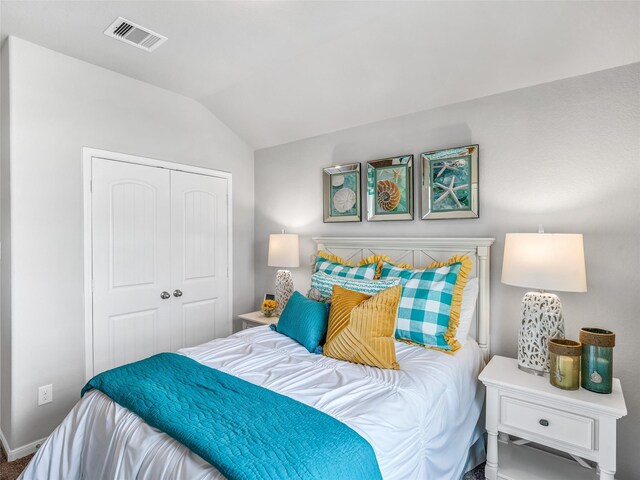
277 72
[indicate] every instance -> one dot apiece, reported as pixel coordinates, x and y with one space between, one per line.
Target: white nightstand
578 422
255 319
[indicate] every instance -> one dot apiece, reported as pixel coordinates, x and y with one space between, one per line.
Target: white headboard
420 252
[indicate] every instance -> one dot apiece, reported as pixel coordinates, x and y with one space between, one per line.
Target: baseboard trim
19 452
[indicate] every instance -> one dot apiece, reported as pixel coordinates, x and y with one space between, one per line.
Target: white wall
565 154
58 105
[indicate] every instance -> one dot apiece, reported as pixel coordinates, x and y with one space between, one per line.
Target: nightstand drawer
553 424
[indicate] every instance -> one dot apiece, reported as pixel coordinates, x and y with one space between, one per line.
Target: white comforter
420 420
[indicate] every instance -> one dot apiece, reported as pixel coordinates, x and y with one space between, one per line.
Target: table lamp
545 261
284 252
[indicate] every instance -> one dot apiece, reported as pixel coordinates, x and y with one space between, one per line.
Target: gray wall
58 105
5 253
565 154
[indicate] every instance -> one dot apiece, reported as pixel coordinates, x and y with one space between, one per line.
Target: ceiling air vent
135 35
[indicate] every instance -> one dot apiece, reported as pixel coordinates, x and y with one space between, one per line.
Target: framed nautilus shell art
390 189
341 187
450 183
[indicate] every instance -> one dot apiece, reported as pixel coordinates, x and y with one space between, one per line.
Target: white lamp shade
545 261
284 250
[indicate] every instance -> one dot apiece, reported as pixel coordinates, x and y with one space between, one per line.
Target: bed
423 421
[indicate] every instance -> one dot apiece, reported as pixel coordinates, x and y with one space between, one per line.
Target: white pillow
469 297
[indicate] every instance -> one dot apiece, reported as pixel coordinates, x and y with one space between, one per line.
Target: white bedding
420 420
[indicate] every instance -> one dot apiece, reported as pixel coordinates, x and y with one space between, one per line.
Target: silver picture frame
390 189
341 193
450 183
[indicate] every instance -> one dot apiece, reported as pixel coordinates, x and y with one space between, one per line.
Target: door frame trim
87 155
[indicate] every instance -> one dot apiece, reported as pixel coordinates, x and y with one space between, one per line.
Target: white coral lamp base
284 289
541 321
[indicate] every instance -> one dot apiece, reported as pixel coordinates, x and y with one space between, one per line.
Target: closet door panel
199 270
198 321
131 262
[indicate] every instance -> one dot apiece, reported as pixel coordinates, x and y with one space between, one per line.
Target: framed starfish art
450 183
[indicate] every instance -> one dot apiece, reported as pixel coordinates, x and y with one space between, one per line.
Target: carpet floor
11 470
475 474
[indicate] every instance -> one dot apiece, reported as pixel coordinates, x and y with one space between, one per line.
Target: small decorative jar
268 308
597 359
564 356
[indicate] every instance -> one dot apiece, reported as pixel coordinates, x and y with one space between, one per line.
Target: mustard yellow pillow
333 258
362 327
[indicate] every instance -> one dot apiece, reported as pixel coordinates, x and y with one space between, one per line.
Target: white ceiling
277 72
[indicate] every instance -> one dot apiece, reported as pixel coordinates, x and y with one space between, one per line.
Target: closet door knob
177 293
165 295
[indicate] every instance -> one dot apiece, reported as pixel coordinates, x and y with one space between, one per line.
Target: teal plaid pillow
324 283
425 306
333 268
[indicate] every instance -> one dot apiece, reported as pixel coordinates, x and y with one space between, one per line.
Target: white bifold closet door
160 261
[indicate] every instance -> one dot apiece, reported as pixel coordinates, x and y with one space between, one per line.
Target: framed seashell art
450 183
341 186
390 189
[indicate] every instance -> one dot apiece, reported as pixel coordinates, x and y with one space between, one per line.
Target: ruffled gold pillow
429 312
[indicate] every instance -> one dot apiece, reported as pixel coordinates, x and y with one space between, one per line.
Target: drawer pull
543 422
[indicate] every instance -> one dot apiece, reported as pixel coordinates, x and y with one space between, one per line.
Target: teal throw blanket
245 431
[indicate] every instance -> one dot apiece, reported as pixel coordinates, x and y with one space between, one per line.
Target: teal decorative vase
597 359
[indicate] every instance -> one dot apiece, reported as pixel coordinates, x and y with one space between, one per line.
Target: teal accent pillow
323 284
305 321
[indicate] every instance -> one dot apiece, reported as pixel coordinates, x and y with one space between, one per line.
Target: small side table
255 319
577 422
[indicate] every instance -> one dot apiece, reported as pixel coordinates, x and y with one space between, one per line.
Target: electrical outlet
45 394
